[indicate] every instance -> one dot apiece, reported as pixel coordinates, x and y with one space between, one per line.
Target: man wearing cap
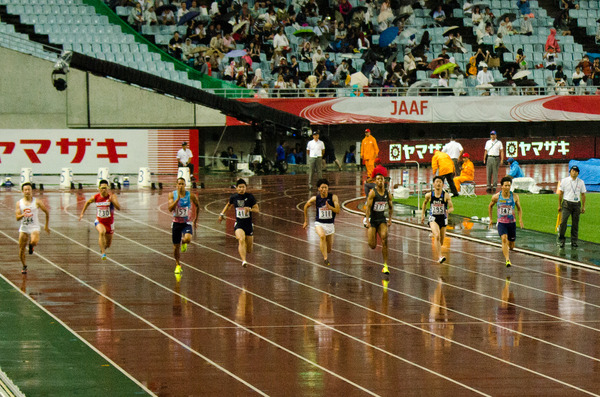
442 164
455 151
571 202
492 158
369 151
314 152
484 76
515 170
184 155
467 173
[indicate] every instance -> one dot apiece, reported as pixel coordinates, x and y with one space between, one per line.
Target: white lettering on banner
84 151
396 150
408 150
400 108
524 149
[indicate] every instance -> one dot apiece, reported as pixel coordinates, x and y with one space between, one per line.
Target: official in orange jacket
467 171
369 151
442 164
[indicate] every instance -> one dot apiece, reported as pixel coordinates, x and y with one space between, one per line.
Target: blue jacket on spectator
524 7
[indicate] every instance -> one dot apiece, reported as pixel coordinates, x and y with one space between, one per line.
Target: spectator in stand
318 57
488 16
552 42
136 17
520 59
386 15
439 15
569 4
350 157
168 18
578 75
182 10
201 64
506 27
188 51
561 88
485 76
410 65
514 170
291 157
562 23
175 45
443 166
476 16
281 44
345 9
280 152
526 26
524 8
229 43
550 60
596 73
559 75
467 171
150 17
455 151
585 65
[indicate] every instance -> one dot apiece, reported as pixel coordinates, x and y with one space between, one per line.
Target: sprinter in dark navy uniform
441 206
244 204
379 201
328 206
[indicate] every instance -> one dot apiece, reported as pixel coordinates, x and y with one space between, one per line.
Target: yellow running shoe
178 277
183 247
178 269
385 270
508 264
103 257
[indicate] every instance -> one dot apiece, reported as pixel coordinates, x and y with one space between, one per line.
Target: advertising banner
562 148
84 151
429 109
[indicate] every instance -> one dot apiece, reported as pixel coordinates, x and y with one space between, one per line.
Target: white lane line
204 308
58 320
291 310
362 241
387 316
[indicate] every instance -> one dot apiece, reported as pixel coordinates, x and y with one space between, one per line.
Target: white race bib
325 213
438 209
380 206
103 212
241 213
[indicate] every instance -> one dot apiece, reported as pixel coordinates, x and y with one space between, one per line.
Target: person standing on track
369 151
328 206
507 226
245 204
571 202
493 156
379 201
106 202
27 212
180 204
441 206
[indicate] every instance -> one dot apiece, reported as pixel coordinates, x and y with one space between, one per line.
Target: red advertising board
528 149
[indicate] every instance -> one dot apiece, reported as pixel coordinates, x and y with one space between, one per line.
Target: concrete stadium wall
29 101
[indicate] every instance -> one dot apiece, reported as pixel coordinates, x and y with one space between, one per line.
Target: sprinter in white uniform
27 212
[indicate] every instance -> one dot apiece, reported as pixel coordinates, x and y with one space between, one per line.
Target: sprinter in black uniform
378 201
328 206
441 206
244 204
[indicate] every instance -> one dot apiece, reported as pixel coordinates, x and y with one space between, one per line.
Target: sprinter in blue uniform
507 227
180 205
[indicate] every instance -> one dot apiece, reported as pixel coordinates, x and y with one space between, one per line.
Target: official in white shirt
184 156
314 153
455 151
492 158
571 202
